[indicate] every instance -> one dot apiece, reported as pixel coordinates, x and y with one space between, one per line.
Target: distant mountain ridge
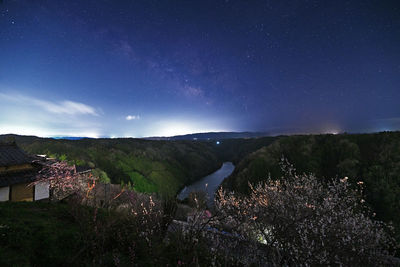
194 136
213 136
69 137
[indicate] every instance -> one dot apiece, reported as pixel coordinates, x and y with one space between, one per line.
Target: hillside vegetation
315 195
148 166
373 159
133 230
37 234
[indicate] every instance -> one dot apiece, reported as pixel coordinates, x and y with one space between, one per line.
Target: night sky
159 68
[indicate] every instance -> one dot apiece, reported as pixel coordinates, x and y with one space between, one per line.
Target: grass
37 234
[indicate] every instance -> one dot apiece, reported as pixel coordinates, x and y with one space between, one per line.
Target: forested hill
151 166
371 158
166 166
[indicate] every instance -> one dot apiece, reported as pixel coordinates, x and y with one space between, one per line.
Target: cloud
70 107
22 114
132 117
63 107
66 107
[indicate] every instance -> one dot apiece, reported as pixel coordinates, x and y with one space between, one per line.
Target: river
209 183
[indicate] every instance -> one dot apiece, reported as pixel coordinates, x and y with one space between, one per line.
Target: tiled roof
17 178
11 154
82 169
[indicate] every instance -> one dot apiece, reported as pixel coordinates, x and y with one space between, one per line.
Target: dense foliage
125 229
309 222
165 166
373 159
147 166
294 220
235 150
37 234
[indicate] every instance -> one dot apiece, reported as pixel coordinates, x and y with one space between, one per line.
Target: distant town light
217 142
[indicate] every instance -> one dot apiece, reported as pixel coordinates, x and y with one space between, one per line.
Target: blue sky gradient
158 68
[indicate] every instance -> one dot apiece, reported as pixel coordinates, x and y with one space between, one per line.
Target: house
17 172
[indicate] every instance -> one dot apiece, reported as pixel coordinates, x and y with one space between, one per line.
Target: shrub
308 222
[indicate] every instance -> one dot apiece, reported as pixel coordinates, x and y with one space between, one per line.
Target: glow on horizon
24 114
332 128
333 132
32 131
160 129
173 128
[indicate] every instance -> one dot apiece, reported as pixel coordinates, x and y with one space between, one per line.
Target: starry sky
111 68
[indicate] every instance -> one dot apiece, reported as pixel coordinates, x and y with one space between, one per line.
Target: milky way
146 68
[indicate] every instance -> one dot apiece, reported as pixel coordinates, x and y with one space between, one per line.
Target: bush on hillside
308 222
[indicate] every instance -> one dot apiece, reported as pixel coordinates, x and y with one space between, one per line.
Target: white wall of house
4 193
42 190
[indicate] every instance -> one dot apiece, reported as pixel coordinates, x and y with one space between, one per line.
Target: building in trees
17 172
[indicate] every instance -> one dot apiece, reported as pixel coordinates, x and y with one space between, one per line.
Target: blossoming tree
307 221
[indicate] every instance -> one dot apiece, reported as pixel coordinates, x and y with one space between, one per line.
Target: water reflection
209 183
